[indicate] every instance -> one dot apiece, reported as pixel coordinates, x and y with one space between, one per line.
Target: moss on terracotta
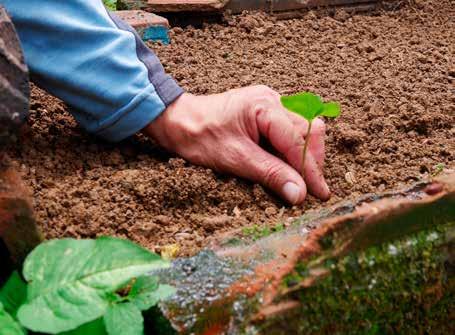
404 287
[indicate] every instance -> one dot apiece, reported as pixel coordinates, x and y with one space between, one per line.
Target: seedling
310 106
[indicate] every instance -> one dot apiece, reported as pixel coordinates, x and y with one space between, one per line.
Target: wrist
158 128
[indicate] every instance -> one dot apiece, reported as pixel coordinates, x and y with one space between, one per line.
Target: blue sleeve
94 62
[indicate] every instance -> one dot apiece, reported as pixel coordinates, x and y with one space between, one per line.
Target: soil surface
393 72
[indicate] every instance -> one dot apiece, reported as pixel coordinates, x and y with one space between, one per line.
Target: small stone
177 30
369 48
350 177
281 213
304 231
182 236
419 3
375 57
237 212
341 15
210 224
176 163
365 47
114 158
270 211
162 219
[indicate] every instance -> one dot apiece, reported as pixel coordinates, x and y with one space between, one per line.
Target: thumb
270 171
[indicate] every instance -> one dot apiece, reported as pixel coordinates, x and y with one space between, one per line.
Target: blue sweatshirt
93 61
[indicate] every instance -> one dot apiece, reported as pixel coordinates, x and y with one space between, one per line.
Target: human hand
222 132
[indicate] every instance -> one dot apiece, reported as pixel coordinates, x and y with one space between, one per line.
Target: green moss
257 232
404 287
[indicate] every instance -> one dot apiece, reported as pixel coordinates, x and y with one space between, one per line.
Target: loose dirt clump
392 72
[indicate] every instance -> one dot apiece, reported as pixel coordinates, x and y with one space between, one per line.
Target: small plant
83 287
256 232
438 169
110 4
310 106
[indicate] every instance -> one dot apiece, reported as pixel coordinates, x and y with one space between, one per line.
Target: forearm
77 51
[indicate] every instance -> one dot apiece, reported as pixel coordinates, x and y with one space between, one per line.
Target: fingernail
327 191
291 192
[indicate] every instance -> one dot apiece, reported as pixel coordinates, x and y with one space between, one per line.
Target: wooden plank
236 6
360 8
161 6
186 5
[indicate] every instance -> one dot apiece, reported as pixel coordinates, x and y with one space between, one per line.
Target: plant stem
305 147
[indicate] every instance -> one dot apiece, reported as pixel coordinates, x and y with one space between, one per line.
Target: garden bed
393 72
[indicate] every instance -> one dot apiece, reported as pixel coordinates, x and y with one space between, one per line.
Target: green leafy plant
8 325
110 4
310 106
83 287
438 169
256 232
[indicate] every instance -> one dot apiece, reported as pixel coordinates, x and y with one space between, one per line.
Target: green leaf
331 109
13 294
62 309
124 319
92 328
142 285
305 104
146 292
8 326
70 281
110 4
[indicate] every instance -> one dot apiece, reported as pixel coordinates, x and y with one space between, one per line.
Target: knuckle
265 91
272 173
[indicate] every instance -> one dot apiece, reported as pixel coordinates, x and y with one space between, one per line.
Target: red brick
18 229
140 19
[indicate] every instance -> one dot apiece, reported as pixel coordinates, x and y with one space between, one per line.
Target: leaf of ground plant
331 109
13 294
8 326
124 319
92 328
71 281
146 292
110 4
305 104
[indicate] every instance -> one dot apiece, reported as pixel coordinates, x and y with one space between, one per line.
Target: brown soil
394 74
